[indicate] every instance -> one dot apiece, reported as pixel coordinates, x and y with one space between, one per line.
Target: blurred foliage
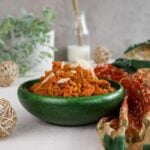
20 36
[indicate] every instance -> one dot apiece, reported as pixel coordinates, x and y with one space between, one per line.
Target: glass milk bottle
79 46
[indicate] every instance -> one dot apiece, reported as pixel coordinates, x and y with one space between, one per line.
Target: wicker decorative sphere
7 118
8 72
101 55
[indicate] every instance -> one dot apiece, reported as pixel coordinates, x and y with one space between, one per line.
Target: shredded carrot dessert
70 81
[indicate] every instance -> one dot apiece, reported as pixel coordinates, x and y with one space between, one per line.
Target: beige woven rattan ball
7 118
8 72
101 55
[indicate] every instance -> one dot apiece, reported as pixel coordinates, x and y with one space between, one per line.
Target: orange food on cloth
136 105
69 80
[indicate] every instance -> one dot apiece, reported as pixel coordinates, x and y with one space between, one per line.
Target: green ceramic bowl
72 111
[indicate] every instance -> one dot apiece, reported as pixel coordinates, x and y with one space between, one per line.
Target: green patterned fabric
146 147
115 134
117 143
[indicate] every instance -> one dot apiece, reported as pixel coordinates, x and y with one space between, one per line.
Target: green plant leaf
19 37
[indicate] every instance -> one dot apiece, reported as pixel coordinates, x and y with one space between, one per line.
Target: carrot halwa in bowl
69 81
70 95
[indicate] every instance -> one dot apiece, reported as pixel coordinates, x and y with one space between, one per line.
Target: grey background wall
113 23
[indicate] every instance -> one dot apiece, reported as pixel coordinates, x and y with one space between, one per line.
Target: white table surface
31 133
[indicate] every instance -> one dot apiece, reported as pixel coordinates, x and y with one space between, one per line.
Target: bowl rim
23 88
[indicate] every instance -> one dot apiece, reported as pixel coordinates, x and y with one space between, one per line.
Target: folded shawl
130 129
